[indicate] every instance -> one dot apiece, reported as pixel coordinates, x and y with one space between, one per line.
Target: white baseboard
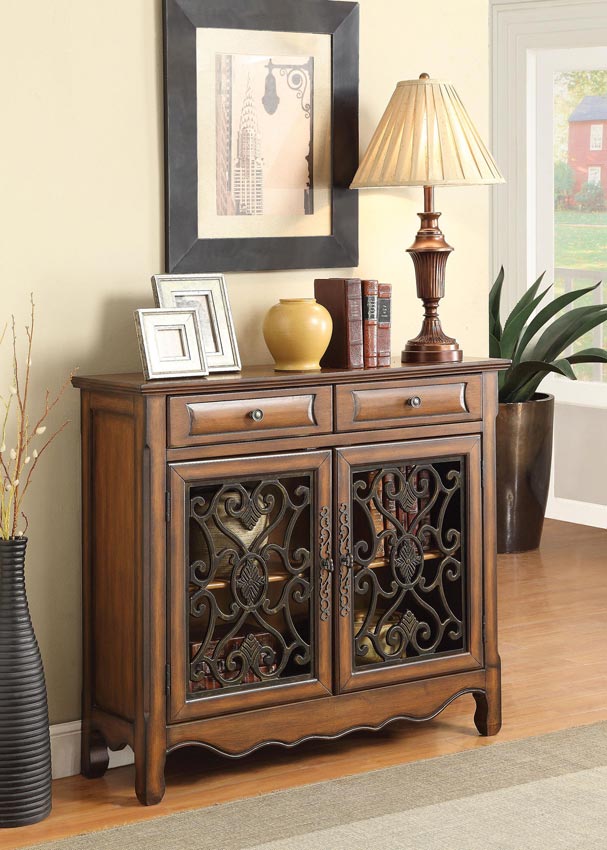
581 513
65 751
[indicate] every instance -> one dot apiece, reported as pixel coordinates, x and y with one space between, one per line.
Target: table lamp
426 138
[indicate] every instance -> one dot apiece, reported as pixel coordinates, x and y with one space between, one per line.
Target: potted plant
25 754
535 343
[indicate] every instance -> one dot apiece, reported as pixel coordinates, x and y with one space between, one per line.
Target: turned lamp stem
430 253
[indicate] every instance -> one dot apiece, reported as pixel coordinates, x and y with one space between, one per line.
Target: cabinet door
250 583
410 575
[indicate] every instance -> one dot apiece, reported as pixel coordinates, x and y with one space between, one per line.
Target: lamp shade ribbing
425 138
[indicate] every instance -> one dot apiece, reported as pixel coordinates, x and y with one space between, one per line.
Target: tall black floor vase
25 749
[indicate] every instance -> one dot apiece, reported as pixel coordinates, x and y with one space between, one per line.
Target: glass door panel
248 578
409 589
250 564
413 559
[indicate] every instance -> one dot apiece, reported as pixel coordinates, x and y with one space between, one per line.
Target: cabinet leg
94 754
488 715
149 779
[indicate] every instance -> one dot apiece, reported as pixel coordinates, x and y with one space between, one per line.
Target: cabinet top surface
258 377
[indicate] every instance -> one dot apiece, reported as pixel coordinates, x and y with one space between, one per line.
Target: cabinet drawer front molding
364 406
196 420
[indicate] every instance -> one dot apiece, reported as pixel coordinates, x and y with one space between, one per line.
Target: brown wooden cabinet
270 557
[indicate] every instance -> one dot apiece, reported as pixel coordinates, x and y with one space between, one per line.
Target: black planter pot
524 457
25 749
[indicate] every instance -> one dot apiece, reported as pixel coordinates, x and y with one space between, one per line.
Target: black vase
25 747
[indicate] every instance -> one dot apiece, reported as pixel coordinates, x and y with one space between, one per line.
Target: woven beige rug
544 793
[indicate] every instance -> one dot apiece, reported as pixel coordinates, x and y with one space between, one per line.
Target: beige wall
81 226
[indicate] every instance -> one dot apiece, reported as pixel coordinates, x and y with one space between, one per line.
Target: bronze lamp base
430 253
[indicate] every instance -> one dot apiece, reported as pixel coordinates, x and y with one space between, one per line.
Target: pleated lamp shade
425 138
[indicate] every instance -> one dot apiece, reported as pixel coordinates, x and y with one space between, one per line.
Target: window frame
594 145
596 172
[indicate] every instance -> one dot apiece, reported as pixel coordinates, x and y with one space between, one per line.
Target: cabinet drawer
390 405
231 417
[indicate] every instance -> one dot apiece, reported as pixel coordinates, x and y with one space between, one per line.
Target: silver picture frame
170 343
208 294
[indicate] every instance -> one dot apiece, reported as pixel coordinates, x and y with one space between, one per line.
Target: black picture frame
185 252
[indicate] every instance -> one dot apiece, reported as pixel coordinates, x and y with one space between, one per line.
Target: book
384 324
342 297
389 485
372 479
369 291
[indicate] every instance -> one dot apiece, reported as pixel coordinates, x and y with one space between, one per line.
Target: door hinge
167 682
167 506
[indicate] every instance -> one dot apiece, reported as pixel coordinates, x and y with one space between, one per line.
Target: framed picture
261 134
170 343
208 295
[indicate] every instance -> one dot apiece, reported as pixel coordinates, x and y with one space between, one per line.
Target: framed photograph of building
261 134
170 343
208 295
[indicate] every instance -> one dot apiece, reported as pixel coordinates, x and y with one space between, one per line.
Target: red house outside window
587 153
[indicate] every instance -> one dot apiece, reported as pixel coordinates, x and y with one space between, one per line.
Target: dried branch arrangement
28 435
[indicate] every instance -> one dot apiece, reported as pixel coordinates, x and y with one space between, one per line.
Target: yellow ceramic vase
297 331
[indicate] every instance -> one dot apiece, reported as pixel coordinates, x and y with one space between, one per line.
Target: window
575 250
551 215
550 85
596 137
594 175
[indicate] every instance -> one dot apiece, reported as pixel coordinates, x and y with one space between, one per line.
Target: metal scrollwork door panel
409 544
251 583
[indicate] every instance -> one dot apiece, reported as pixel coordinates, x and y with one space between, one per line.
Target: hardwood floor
553 636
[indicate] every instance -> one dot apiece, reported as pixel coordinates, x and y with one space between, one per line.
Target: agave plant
534 343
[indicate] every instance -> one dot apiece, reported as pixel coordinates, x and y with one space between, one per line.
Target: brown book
390 506
407 506
375 513
342 297
369 289
384 324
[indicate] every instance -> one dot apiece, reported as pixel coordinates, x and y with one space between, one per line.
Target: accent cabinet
273 557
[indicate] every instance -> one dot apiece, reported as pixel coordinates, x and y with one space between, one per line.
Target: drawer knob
256 415
415 401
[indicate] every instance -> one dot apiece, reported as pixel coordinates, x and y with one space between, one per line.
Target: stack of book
361 313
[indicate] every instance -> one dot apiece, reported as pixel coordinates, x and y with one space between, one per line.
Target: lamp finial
424 76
